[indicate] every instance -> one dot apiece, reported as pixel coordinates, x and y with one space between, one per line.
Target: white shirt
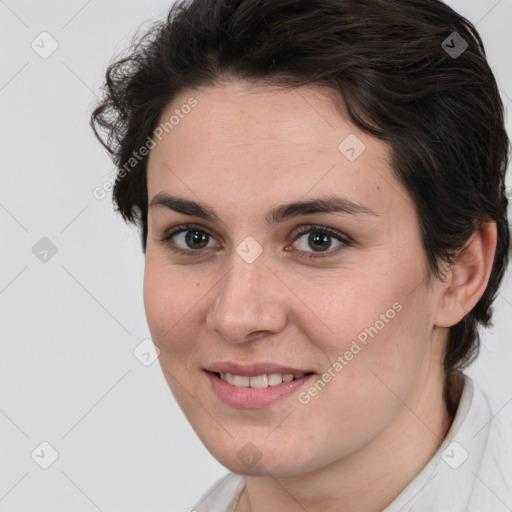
470 472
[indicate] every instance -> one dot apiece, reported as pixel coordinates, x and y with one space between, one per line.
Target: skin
243 150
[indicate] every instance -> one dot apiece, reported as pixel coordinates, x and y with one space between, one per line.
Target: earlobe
467 279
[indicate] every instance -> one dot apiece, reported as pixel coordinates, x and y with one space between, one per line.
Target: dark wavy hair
399 78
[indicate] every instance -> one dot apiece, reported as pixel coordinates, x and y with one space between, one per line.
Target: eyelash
344 239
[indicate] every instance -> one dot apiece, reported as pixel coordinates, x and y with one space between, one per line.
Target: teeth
259 381
274 379
241 381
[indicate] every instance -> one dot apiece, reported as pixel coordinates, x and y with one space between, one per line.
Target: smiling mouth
259 381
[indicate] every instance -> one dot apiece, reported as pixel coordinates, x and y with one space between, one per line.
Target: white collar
447 481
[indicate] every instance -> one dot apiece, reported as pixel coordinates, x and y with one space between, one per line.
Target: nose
249 301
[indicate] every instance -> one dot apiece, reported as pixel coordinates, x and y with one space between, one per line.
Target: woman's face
248 286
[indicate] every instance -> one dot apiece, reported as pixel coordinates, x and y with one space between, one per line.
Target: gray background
70 324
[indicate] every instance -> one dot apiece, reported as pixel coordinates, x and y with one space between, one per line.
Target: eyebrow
324 204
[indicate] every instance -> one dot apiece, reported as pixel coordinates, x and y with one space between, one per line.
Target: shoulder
222 496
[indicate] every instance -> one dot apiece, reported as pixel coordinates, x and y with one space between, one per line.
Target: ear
467 279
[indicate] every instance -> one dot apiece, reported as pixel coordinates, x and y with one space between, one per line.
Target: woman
320 190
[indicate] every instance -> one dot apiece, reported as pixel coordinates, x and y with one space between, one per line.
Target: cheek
371 326
357 308
169 302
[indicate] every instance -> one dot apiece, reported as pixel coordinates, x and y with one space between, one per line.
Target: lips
254 386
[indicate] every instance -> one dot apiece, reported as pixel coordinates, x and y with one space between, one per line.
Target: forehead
244 141
294 120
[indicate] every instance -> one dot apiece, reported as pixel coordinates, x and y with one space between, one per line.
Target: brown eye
189 239
196 239
319 239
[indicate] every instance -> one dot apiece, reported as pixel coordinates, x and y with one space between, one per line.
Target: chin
260 458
